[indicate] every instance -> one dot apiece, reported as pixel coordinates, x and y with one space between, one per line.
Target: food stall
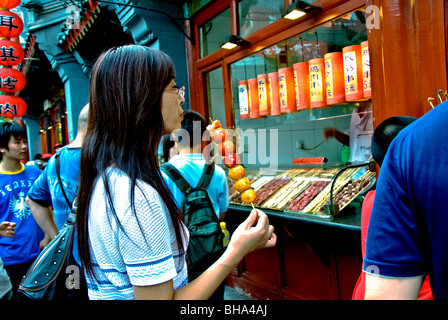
283 83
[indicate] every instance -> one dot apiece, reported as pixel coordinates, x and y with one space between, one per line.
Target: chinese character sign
353 73
317 81
366 75
243 99
263 95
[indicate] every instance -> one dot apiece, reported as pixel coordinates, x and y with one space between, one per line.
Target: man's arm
381 288
43 217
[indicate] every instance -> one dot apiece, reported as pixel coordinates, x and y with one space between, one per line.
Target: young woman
131 237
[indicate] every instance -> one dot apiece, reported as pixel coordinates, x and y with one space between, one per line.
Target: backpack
206 237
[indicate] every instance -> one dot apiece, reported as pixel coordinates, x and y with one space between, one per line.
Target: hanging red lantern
11 25
9 4
11 80
12 106
11 53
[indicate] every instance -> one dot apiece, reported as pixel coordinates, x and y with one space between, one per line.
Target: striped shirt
142 252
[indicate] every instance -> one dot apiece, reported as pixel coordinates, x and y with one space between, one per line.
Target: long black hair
124 130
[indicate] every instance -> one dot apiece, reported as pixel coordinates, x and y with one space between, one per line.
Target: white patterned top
142 252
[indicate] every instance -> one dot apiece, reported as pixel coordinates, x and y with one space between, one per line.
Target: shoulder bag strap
207 176
177 178
58 172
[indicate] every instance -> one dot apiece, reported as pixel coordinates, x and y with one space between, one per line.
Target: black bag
206 237
55 275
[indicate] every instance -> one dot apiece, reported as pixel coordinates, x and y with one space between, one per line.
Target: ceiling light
233 41
298 9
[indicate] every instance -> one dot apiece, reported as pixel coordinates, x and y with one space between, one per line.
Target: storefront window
215 96
257 14
299 129
214 32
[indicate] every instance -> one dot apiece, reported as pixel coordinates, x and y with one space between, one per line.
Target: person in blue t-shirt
191 162
46 190
407 236
19 252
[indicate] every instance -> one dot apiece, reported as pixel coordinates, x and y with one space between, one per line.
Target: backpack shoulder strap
58 173
207 176
177 178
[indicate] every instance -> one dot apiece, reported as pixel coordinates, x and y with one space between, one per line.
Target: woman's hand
252 234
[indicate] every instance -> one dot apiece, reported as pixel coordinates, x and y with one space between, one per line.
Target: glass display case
326 191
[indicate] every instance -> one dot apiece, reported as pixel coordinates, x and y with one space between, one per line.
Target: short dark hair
8 129
193 128
385 133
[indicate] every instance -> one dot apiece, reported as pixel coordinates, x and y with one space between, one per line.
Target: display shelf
322 191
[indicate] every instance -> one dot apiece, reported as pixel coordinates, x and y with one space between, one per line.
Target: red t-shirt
358 292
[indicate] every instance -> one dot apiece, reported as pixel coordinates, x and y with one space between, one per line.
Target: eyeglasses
181 91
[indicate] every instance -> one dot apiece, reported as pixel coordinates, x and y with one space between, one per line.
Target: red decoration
11 25
274 94
11 53
302 85
287 91
334 75
9 4
11 80
12 106
253 98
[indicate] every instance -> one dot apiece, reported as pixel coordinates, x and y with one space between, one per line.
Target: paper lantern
243 99
253 98
264 102
287 92
302 85
274 96
9 4
366 75
11 25
11 53
353 73
334 78
11 80
12 106
317 83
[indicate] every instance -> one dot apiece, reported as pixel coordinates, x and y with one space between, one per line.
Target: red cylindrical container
366 75
287 90
353 73
243 97
264 102
317 83
274 93
253 98
334 78
302 85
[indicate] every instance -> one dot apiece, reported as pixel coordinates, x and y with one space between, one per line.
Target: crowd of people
130 237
